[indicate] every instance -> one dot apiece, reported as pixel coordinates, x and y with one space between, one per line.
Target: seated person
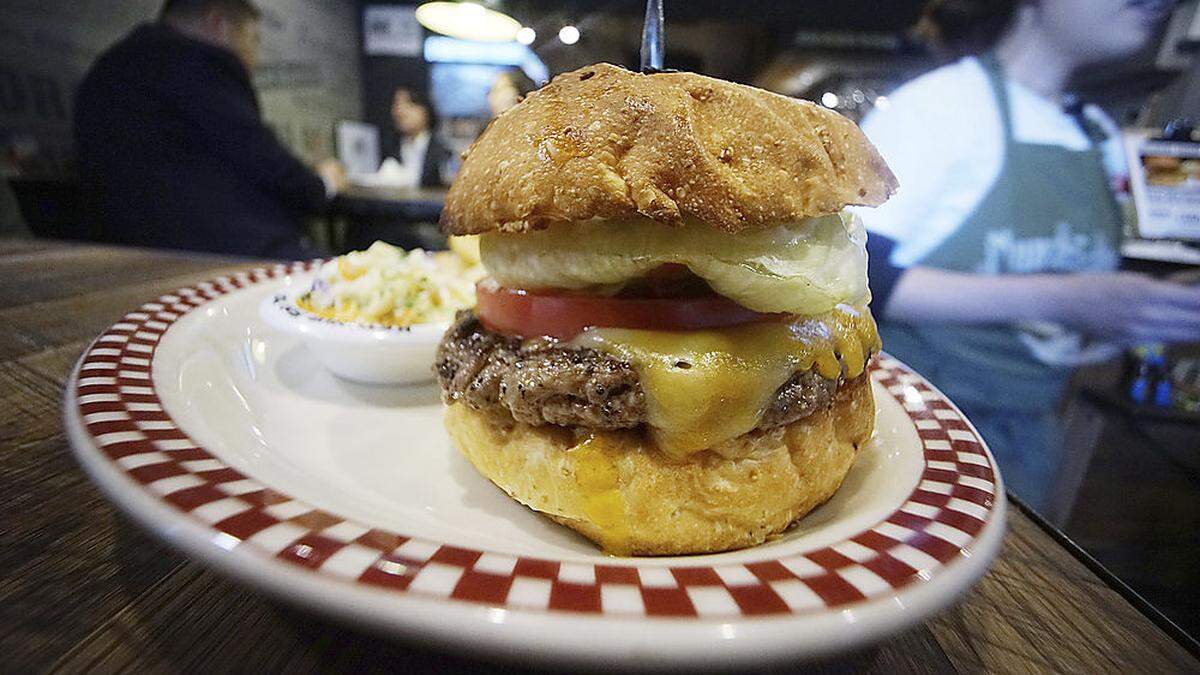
172 148
421 155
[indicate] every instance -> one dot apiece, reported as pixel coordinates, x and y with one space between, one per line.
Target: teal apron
1050 210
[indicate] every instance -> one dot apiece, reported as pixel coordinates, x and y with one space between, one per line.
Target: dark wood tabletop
396 203
83 589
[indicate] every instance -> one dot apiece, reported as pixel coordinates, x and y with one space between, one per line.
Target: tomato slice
532 314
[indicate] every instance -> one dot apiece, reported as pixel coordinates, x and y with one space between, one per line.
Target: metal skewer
652 37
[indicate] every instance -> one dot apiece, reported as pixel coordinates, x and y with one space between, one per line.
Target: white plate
224 437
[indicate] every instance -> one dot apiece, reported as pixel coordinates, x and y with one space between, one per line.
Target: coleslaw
388 286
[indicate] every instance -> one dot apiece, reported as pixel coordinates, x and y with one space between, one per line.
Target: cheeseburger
669 353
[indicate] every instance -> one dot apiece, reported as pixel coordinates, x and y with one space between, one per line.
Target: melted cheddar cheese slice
596 472
706 387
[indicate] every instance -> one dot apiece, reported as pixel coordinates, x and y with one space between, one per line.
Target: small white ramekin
362 353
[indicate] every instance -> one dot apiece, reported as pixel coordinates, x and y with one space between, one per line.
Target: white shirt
942 136
412 159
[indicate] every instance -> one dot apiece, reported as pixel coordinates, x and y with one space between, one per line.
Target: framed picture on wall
1165 179
358 147
391 30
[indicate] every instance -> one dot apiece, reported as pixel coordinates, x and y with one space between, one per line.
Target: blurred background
330 67
293 128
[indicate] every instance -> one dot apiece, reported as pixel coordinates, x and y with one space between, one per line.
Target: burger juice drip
706 387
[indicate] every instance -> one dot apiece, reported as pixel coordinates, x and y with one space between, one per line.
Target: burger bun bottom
631 499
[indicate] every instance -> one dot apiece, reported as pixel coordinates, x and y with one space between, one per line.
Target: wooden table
394 203
370 213
83 589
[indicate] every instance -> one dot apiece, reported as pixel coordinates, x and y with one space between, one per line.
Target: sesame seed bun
604 142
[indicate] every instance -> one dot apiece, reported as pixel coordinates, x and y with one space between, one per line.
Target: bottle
1158 390
1163 389
1139 385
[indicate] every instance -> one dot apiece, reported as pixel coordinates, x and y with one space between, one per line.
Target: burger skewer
652 38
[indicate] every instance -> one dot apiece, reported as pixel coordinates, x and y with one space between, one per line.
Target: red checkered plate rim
914 561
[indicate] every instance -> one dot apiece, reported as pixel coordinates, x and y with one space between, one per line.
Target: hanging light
468 21
568 34
526 35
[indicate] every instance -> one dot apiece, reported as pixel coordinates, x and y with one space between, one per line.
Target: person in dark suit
172 148
421 154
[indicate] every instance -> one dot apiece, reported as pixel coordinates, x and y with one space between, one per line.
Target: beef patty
543 381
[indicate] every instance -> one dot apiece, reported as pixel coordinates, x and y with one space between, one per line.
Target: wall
309 77
727 50
1182 99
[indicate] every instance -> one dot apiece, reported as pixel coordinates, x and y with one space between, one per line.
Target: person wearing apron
1043 192
993 267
